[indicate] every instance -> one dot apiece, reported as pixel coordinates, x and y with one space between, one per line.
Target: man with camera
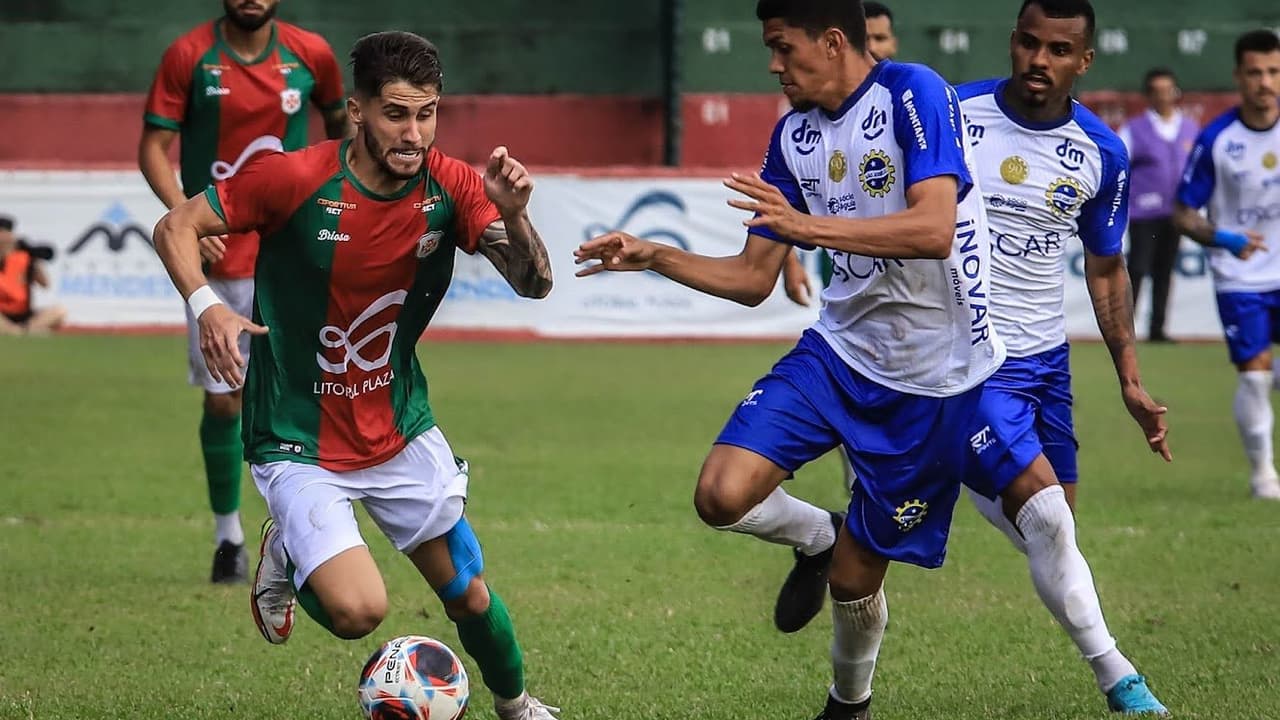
21 266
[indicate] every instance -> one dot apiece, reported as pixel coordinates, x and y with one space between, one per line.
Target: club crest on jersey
1269 161
290 100
876 174
837 166
1064 197
1014 170
910 514
428 243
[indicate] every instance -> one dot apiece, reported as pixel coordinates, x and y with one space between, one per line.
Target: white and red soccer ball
414 678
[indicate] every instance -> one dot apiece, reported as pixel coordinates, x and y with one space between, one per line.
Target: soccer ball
414 678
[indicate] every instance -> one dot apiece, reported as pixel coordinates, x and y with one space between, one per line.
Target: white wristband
202 299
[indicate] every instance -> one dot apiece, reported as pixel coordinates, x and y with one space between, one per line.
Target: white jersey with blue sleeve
1235 171
1045 185
917 326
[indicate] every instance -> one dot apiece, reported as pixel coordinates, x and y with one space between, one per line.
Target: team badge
1269 161
876 174
290 100
1064 197
1014 170
910 514
837 166
428 243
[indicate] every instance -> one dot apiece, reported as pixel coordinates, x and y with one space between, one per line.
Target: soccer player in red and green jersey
231 88
358 245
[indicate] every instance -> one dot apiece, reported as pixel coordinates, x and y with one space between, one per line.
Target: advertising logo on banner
105 271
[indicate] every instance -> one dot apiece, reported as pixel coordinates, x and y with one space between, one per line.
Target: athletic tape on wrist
202 299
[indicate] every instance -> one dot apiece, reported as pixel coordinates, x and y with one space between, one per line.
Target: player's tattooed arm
1108 282
517 251
1191 223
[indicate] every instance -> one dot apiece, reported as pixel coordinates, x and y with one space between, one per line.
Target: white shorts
238 295
414 497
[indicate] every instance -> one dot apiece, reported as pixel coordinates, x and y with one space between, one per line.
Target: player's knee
473 602
224 405
718 502
356 617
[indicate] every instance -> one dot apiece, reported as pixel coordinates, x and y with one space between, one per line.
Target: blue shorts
1250 321
1025 411
908 450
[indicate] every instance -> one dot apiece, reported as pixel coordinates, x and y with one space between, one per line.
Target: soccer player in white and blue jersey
1234 171
872 167
1052 174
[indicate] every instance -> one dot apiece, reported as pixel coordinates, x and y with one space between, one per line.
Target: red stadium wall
718 130
87 131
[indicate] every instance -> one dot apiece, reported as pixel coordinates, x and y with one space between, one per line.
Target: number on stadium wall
714 111
952 41
716 40
1192 42
1113 41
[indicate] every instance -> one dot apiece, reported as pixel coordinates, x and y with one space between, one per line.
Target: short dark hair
6 222
816 16
385 57
1156 73
873 9
1065 9
1263 41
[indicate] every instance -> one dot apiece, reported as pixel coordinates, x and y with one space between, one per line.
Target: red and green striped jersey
227 109
347 281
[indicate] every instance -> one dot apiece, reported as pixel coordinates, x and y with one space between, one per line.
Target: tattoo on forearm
519 256
1113 307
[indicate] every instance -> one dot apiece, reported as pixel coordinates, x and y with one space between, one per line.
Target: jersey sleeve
1198 179
473 211
261 196
167 100
775 171
1104 217
927 125
327 94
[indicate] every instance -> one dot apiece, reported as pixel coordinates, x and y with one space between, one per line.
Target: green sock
490 640
223 454
308 600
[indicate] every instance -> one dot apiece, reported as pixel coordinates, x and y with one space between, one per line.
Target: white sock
785 520
1065 584
1255 419
227 527
858 628
993 511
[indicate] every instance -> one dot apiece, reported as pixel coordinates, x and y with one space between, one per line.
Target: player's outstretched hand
220 330
507 182
1150 417
616 251
1255 244
213 248
771 208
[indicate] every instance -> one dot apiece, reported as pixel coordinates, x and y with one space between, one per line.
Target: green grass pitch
584 458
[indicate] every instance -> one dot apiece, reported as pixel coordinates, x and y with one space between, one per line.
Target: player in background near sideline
883 45
231 88
872 167
1051 174
1234 171
358 245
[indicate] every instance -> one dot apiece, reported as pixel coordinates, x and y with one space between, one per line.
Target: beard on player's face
388 160
249 15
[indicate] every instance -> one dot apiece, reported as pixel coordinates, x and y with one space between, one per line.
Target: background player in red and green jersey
231 88
358 246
